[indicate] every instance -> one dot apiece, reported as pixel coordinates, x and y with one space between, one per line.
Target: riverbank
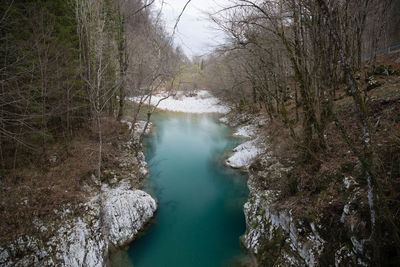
200 218
297 213
316 212
273 232
105 214
108 214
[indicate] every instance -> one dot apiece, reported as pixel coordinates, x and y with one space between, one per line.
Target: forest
68 63
68 68
310 67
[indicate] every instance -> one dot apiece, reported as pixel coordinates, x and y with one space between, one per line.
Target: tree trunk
100 146
121 102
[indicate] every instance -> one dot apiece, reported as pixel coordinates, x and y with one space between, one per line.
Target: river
200 217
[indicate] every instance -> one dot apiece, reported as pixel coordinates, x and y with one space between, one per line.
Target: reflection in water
200 215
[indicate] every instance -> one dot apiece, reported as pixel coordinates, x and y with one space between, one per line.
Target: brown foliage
43 186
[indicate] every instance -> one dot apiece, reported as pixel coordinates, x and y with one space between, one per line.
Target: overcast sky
195 34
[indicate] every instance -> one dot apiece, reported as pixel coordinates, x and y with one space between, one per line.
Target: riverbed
200 216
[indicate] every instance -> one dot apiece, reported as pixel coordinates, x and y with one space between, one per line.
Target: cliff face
276 236
278 233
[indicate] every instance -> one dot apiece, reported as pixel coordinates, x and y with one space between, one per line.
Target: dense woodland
307 65
66 64
67 67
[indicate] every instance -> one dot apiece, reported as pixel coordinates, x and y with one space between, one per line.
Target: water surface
200 217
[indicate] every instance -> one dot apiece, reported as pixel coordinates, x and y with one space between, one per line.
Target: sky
195 34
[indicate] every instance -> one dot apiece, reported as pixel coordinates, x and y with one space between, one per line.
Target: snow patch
244 154
203 102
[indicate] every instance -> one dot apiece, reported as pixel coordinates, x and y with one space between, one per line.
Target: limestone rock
112 218
265 226
125 212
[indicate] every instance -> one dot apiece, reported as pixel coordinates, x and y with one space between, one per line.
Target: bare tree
93 18
153 62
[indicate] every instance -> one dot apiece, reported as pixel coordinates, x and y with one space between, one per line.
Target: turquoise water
200 217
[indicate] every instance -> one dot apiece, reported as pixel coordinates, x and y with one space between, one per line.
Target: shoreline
106 222
79 231
269 221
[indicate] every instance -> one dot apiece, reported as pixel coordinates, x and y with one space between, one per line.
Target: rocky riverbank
275 234
111 218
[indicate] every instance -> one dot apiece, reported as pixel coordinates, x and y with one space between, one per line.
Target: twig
179 17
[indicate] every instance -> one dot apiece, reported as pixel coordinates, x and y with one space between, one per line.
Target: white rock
128 123
349 181
80 244
245 131
116 217
264 224
346 211
139 127
224 120
112 219
125 212
144 171
244 154
358 246
262 122
4 255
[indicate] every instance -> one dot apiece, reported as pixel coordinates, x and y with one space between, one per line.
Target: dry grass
315 185
42 186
